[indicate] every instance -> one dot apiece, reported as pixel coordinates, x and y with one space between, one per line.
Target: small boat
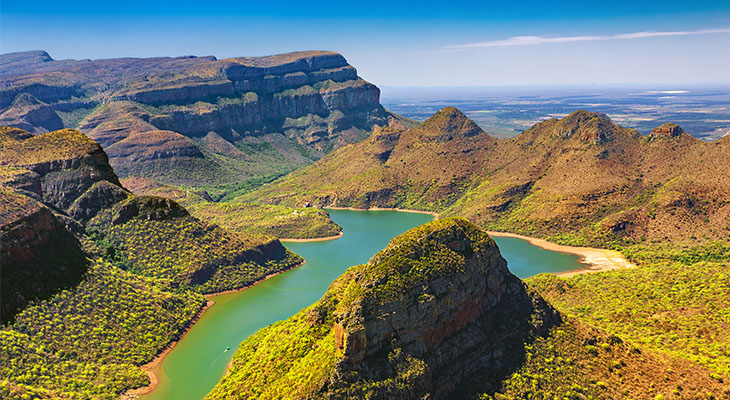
228 348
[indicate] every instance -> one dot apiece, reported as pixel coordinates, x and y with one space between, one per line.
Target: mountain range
581 179
101 274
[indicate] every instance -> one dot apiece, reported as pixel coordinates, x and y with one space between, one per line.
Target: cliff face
425 315
283 111
583 178
39 256
59 168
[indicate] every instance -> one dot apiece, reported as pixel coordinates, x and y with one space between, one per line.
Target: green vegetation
279 221
86 342
297 358
57 145
576 362
188 252
676 302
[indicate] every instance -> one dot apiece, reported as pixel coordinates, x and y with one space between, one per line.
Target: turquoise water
198 361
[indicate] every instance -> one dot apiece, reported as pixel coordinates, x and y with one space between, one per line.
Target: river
199 360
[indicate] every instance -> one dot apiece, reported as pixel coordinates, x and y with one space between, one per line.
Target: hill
437 315
581 179
196 120
419 319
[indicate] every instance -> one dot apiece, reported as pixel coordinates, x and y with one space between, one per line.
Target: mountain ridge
582 173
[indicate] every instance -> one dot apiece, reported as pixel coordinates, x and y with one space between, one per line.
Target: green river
199 360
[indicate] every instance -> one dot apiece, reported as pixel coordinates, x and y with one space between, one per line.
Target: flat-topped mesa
422 317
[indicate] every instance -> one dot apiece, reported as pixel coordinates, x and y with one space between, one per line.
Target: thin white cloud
534 40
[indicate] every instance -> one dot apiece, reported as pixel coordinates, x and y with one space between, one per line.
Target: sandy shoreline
151 368
322 239
596 260
433 214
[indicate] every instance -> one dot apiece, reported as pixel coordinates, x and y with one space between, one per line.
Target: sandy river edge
596 260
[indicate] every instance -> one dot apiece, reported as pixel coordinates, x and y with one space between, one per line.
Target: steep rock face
39 256
669 130
424 315
313 99
62 165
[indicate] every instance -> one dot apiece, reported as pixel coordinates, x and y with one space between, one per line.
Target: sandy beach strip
596 260
322 239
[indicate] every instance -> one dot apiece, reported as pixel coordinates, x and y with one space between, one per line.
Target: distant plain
703 112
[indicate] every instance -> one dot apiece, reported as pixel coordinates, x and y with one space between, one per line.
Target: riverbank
596 260
431 213
152 367
322 239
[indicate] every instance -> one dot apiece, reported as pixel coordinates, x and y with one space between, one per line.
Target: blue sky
423 43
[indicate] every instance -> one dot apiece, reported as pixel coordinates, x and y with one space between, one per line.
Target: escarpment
418 320
277 112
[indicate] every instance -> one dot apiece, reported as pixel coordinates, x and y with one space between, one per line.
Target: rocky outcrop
595 128
39 256
62 166
151 208
667 130
31 114
419 320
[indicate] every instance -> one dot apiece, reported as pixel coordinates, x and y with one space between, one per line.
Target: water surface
198 361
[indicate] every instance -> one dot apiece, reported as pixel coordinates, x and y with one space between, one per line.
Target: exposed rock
150 145
39 256
315 99
594 128
64 169
417 321
65 164
29 113
668 130
151 208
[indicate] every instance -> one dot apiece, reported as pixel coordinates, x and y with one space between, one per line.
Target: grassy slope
663 330
188 252
279 221
294 358
149 258
578 180
86 342
245 217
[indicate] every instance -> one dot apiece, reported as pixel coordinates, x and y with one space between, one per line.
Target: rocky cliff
421 318
39 256
279 112
581 179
